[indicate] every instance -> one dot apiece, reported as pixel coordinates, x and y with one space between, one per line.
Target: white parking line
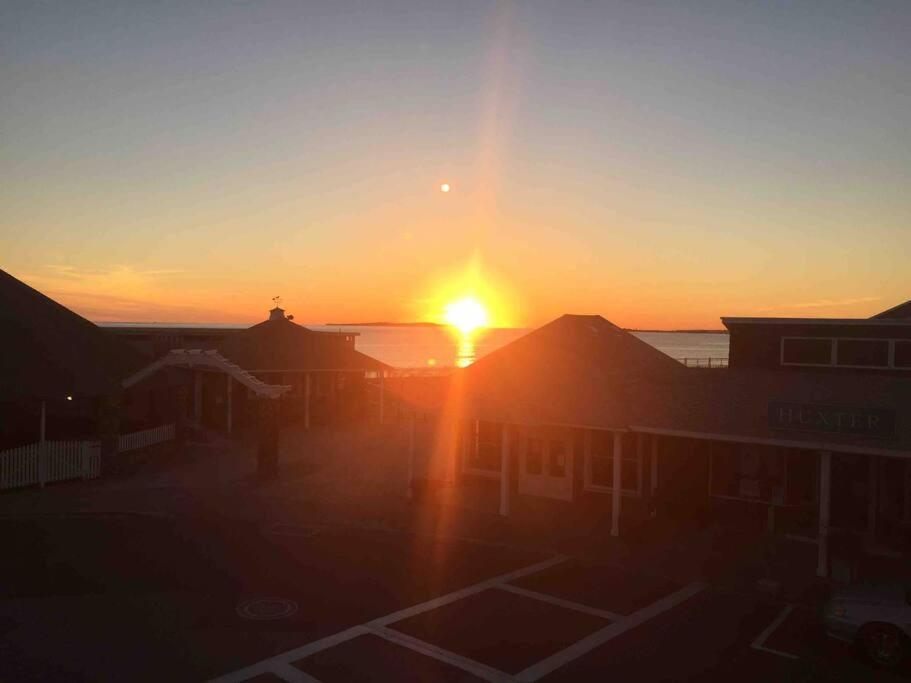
759 643
465 592
560 602
590 642
279 663
487 673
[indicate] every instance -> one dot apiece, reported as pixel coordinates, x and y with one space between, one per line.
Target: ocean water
423 347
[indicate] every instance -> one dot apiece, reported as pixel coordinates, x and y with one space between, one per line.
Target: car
874 616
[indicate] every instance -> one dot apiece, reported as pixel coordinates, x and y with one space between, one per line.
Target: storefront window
903 354
556 458
803 351
863 352
534 456
486 452
600 471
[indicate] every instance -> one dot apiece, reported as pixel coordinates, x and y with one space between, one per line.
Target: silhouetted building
53 357
327 375
808 433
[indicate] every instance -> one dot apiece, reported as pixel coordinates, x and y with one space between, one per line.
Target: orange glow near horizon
469 299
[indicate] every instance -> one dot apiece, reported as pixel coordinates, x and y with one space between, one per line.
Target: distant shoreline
429 324
680 331
383 324
364 324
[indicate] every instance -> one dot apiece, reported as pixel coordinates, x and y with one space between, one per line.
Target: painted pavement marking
280 664
483 671
560 602
465 592
759 643
590 642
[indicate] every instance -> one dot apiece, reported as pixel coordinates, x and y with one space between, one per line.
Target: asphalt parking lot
130 597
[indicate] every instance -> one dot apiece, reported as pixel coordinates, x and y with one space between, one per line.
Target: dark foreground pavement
139 598
155 575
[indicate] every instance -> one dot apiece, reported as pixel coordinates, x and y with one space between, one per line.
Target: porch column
640 456
504 473
410 493
615 489
872 498
654 478
229 416
197 395
307 401
825 492
382 395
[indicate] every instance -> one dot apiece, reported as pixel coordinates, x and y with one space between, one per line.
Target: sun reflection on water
465 350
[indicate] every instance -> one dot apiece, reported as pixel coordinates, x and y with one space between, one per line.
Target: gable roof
900 311
47 351
572 371
278 345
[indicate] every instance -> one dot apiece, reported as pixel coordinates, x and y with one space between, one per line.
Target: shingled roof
902 311
572 371
279 345
47 351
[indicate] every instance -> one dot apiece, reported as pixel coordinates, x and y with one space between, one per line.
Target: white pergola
197 360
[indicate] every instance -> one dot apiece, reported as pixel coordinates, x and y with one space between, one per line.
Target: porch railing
720 362
146 437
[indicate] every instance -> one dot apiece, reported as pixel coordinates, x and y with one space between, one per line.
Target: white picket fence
51 461
146 437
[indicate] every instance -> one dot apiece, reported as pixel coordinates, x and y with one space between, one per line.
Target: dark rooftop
47 351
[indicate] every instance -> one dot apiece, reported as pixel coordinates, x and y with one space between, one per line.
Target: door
546 464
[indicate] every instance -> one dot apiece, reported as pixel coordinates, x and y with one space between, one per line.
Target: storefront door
546 464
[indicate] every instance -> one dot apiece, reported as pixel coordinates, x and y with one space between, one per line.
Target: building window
599 464
863 352
534 456
903 354
556 459
806 351
487 443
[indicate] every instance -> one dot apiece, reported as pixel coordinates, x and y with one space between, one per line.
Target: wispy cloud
822 303
120 293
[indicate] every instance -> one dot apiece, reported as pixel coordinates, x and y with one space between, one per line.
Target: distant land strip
429 324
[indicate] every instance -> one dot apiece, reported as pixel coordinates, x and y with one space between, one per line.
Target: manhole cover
267 608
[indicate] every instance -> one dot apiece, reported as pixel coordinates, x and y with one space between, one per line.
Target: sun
466 315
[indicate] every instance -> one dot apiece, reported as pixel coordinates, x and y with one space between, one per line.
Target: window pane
487 443
557 459
869 352
629 475
808 351
903 354
534 457
602 470
602 443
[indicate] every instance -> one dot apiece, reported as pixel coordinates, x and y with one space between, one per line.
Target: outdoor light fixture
69 398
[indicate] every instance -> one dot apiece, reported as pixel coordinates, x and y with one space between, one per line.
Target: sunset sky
661 164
